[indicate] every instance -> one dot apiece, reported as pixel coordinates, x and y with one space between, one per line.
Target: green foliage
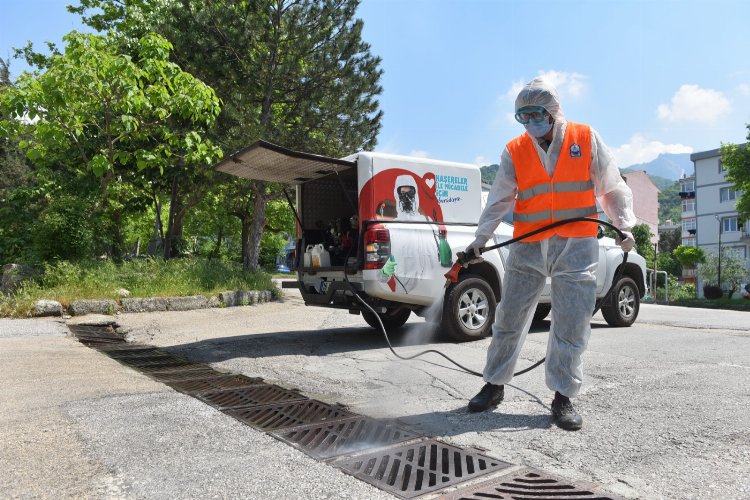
642 236
670 204
104 110
736 160
665 261
294 72
489 173
677 291
128 120
733 271
689 256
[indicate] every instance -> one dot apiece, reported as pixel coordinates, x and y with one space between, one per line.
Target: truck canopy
269 162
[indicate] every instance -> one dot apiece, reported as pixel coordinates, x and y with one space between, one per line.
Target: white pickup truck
389 228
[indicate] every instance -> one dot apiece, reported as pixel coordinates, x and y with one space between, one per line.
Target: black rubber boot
489 397
564 414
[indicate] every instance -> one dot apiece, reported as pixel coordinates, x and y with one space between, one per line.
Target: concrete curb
230 298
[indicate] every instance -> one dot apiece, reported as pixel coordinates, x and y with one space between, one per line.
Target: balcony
686 195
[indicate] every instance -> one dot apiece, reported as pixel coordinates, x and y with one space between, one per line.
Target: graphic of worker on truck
414 253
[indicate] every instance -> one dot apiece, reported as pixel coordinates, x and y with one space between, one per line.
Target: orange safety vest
542 200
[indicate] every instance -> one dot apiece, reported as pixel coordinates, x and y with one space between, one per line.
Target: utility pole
719 271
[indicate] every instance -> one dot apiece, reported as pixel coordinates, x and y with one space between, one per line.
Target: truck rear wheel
392 319
469 309
622 309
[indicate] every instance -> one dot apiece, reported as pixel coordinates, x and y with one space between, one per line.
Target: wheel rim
473 309
626 302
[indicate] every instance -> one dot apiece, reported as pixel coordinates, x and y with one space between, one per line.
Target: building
709 215
645 200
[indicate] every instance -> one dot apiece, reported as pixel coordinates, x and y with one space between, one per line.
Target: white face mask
538 129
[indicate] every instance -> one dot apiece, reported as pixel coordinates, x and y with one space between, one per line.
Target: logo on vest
575 151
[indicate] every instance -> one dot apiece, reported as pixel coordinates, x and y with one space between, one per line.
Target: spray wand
462 260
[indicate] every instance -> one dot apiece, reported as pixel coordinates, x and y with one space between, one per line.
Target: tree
642 236
689 256
294 72
733 272
126 120
670 204
736 161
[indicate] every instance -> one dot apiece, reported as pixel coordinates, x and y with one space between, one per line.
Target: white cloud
481 161
419 153
641 150
692 103
567 84
744 89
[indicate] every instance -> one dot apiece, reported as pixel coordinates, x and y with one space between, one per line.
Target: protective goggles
533 114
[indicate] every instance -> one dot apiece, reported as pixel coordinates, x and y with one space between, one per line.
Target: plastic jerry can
308 256
320 256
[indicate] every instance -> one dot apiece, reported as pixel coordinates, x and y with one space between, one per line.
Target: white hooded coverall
570 262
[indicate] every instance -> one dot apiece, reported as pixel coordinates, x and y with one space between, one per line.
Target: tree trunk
219 240
245 237
117 243
168 253
251 258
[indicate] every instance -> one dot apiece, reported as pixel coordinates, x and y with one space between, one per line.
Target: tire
542 310
622 308
392 319
469 309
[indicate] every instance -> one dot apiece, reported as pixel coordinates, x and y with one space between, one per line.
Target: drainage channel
383 453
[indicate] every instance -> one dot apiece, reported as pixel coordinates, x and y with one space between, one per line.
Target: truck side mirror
599 232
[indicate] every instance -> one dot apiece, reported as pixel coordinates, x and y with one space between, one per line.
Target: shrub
712 292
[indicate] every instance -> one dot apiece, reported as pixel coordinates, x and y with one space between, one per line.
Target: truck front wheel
392 319
622 309
469 309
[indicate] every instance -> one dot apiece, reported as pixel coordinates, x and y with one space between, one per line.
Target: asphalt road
665 405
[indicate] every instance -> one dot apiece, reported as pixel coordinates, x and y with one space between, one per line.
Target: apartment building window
688 205
687 225
721 167
729 225
727 194
688 186
688 241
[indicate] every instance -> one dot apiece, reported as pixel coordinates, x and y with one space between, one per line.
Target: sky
660 76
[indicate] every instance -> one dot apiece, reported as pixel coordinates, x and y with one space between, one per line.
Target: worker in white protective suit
555 170
414 252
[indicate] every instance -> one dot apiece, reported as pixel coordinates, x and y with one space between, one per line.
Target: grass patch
66 282
736 304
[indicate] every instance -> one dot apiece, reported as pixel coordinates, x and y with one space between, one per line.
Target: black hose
483 250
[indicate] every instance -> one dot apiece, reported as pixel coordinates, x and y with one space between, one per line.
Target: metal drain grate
528 484
94 341
249 396
186 375
98 330
170 365
279 416
156 361
220 381
126 354
126 347
348 435
95 334
410 470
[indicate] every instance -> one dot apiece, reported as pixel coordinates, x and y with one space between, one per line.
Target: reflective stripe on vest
555 214
542 200
560 187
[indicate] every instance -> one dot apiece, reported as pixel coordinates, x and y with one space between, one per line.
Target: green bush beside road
66 282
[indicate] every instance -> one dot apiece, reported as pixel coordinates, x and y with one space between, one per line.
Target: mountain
667 165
